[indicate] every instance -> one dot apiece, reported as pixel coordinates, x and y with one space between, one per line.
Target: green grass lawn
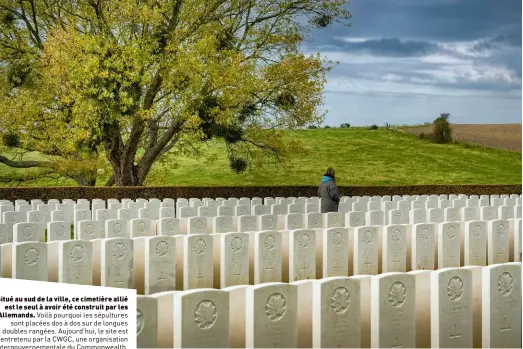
364 157
360 157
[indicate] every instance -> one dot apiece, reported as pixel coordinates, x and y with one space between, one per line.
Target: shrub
312 127
345 125
442 133
327 126
11 140
422 135
373 127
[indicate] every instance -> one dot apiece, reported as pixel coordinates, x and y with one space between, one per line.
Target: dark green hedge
46 193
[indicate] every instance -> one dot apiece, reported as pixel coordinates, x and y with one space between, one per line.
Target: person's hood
326 179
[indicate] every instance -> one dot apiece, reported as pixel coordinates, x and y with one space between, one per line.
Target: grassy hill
360 157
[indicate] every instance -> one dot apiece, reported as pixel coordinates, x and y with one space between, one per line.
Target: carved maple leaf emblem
340 300
455 288
162 248
77 253
236 244
275 307
205 315
119 251
270 241
505 284
397 294
199 246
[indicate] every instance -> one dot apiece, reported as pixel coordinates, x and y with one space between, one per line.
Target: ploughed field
503 136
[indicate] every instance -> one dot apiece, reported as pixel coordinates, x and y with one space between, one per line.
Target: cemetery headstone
160 264
336 313
451 308
393 311
29 261
197 261
501 306
74 262
201 319
271 316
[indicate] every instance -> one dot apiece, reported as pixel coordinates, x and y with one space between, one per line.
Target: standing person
328 192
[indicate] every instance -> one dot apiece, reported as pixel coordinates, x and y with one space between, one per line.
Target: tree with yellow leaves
134 80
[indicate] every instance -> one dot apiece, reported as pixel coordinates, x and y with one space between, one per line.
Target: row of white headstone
161 263
155 209
448 308
108 226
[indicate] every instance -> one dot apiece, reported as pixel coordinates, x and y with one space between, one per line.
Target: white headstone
435 215
58 231
259 210
501 306
234 259
394 251
197 261
335 252
366 251
29 261
147 322
90 230
25 232
294 221
3 235
166 212
247 223
267 256
398 217
302 254
117 263
488 213
242 210
75 262
116 228
268 222
355 219
160 264
222 224
422 252
225 211
451 214
127 214
186 212
506 212
517 240
451 308
271 316
332 220
279 209
168 226
336 314
393 311
449 239
140 227
497 242
314 220
201 319
197 225
475 243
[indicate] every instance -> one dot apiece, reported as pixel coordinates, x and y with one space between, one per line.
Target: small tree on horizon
442 131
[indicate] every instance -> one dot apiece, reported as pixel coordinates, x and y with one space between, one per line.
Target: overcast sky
407 61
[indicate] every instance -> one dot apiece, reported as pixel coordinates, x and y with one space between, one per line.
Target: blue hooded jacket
326 179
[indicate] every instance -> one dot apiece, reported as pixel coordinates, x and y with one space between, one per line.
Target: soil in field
503 136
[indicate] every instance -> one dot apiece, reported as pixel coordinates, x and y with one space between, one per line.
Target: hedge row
46 193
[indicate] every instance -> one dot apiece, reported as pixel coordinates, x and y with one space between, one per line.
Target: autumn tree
134 80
